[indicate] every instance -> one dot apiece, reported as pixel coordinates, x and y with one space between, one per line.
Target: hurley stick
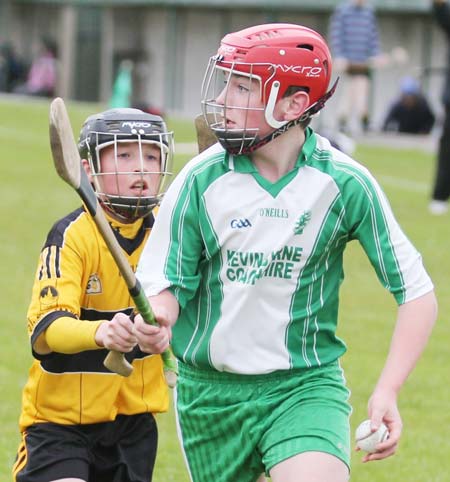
68 165
205 136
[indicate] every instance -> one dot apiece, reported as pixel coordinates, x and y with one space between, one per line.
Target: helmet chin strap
129 208
268 113
284 126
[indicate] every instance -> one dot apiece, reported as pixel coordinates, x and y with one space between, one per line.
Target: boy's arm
415 322
70 335
67 335
165 308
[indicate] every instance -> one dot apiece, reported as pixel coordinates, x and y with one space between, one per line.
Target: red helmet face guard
280 57
215 84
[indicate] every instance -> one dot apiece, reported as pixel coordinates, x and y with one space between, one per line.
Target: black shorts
119 451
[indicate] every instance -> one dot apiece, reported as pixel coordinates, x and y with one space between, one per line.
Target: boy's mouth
139 185
229 124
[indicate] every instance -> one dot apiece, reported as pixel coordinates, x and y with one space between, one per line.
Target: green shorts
234 427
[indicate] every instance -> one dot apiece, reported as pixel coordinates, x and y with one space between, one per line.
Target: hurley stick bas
68 166
205 136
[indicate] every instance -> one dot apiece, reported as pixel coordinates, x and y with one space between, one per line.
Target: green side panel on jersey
357 213
186 244
191 227
315 342
365 218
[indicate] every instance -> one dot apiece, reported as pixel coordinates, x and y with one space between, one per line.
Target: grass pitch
33 197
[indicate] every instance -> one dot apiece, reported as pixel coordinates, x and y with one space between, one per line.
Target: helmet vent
265 34
305 46
114 126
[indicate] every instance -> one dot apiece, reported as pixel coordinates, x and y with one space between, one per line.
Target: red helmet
291 54
281 56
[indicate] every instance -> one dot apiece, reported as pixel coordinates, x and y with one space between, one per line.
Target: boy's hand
117 334
383 408
151 338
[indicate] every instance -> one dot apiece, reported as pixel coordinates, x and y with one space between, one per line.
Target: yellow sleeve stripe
68 335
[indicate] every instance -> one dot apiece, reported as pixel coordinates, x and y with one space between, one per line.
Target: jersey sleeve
170 258
397 262
57 286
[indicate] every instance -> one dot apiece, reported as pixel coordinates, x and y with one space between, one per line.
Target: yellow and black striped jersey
77 277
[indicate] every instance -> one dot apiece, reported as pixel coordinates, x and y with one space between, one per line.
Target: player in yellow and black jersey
79 421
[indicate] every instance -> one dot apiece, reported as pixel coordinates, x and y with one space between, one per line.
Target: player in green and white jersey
252 234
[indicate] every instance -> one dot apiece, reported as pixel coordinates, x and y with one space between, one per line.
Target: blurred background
168 43
153 54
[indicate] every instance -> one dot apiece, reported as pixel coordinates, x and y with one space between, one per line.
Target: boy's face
243 107
124 172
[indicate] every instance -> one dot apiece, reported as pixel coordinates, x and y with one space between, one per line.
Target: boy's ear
295 105
87 168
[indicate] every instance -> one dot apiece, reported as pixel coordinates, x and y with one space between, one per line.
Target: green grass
33 197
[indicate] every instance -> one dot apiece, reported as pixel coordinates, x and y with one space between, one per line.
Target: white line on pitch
405 184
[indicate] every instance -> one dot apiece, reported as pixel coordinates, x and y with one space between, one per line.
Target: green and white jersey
256 266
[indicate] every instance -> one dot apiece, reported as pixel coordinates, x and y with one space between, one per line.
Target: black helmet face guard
131 207
114 128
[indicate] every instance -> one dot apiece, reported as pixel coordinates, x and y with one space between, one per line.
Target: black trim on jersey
95 315
56 235
55 240
86 361
47 263
57 258
130 245
46 321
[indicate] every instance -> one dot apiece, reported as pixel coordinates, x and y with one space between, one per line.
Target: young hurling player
246 257
79 421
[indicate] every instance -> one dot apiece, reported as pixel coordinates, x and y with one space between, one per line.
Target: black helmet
126 125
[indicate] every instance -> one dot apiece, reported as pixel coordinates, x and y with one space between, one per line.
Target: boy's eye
242 88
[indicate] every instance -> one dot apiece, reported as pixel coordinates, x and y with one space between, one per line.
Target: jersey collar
242 163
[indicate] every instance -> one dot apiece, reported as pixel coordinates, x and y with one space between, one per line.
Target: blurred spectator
122 90
441 189
411 112
354 41
41 79
123 94
12 68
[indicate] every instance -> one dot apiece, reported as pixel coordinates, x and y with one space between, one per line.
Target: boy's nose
220 99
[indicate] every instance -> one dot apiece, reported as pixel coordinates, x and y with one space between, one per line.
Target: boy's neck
279 156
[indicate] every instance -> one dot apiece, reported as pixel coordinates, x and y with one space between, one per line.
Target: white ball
366 440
